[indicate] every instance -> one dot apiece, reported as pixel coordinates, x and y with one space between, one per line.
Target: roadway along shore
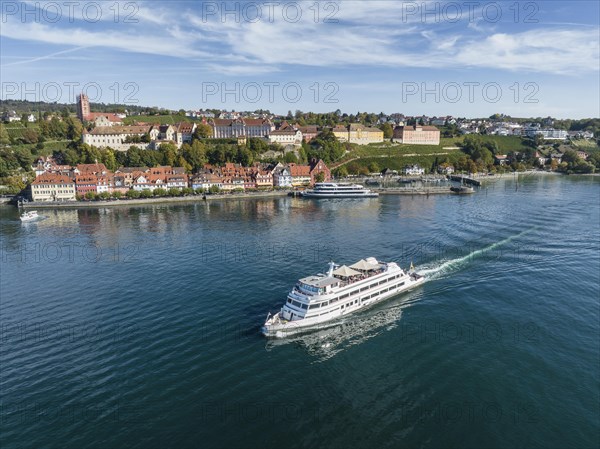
147 201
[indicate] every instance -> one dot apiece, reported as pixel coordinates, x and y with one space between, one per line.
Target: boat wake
337 336
452 265
333 337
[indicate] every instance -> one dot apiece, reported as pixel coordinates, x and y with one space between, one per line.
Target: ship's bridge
318 285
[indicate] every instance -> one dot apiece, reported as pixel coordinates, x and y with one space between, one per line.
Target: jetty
465 180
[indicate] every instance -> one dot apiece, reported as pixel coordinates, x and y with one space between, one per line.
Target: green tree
74 128
256 145
374 167
160 192
90 154
195 154
146 193
70 157
290 157
244 157
29 136
109 159
320 177
168 152
4 137
388 131
91 195
104 195
117 194
570 156
326 146
24 158
342 172
133 194
203 131
134 157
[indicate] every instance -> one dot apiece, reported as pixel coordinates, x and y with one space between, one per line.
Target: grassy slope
16 129
396 156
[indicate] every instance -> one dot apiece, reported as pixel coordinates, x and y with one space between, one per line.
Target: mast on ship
331 267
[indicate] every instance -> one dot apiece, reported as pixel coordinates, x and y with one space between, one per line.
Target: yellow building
341 133
363 135
53 187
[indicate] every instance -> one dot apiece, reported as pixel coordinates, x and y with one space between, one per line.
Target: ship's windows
304 306
364 288
401 284
289 300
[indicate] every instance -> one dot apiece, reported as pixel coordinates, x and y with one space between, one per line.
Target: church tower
83 107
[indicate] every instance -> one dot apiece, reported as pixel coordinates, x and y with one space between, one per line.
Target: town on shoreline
257 153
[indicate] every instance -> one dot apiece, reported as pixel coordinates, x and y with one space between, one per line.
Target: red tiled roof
104 130
110 116
91 168
52 178
299 170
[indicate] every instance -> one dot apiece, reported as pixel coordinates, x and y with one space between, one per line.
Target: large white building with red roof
241 127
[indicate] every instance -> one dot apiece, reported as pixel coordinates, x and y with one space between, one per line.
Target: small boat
29 215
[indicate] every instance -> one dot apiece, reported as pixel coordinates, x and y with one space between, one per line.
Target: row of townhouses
64 183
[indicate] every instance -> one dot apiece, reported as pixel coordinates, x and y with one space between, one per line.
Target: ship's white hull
339 195
277 328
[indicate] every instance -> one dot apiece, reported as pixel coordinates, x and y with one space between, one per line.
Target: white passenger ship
338 190
315 300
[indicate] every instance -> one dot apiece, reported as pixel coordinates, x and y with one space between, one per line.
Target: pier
435 190
464 179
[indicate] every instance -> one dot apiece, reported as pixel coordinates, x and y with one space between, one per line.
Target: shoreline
149 201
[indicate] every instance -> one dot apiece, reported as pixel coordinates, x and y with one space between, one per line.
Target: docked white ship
318 299
338 190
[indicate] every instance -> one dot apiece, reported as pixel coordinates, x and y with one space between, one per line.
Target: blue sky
436 58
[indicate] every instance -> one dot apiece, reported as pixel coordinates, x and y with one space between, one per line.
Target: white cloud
369 34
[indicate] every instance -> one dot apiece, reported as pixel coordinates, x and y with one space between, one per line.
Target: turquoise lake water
139 327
